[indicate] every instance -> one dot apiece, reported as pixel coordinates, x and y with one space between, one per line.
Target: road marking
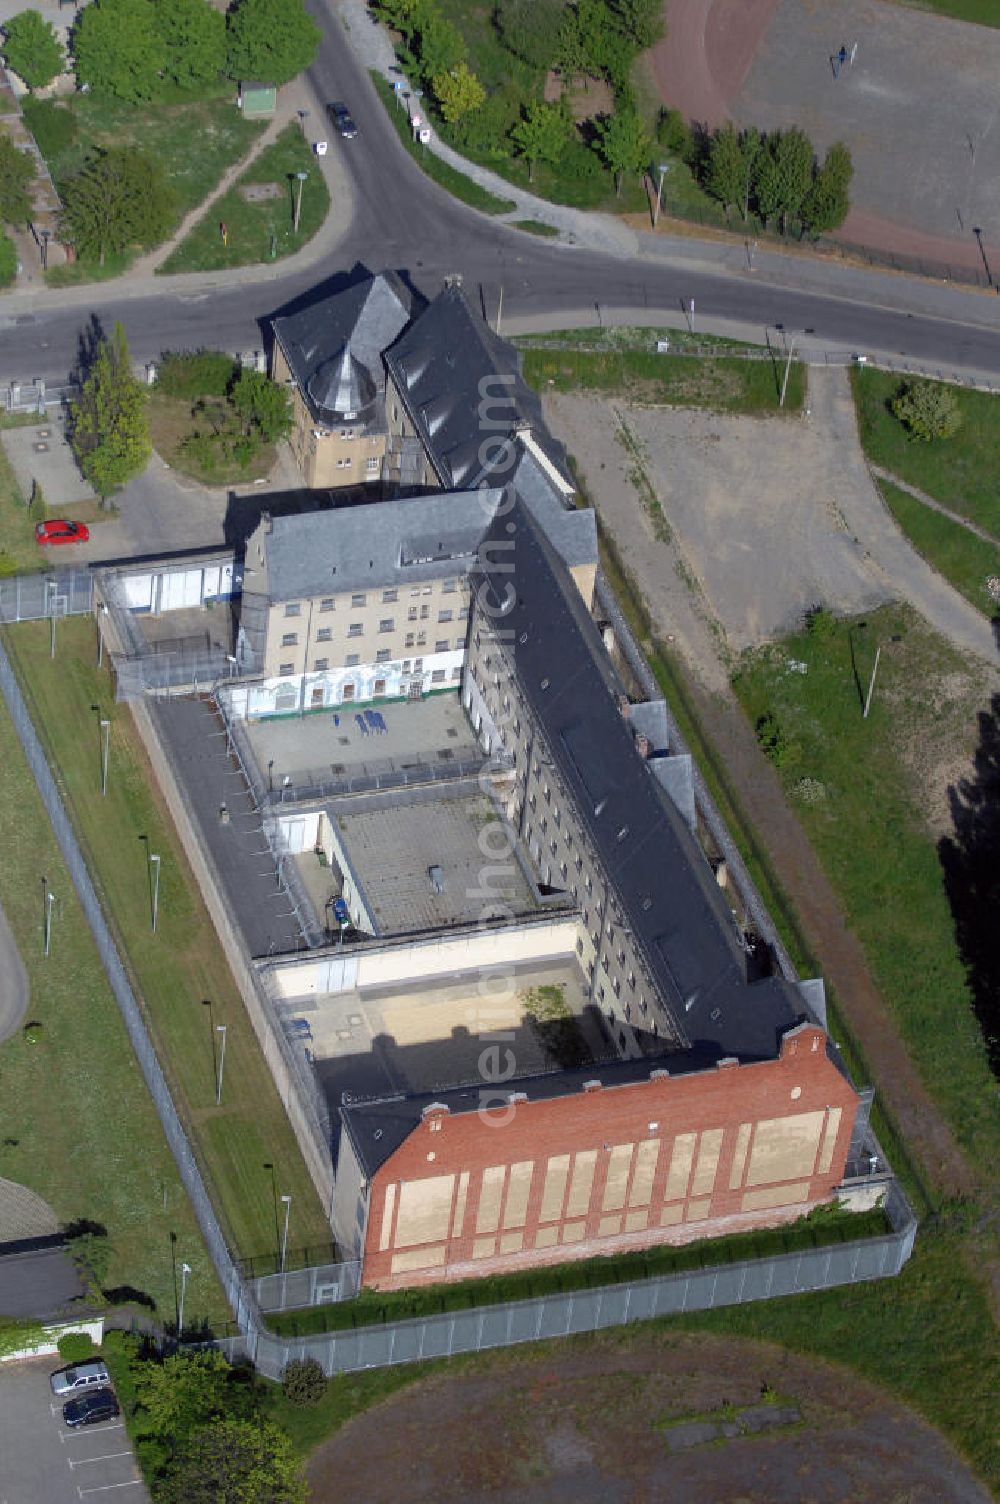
104 1489
105 1457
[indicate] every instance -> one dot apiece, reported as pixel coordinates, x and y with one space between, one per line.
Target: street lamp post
284 1236
51 588
50 899
106 729
185 1271
154 862
662 168
220 1029
977 231
788 367
871 683
301 176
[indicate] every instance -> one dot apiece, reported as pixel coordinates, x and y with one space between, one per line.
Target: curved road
404 221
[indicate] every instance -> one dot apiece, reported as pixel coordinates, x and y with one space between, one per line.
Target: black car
343 120
90 1409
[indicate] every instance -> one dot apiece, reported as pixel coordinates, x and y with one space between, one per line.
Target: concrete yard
433 1035
315 748
43 454
392 850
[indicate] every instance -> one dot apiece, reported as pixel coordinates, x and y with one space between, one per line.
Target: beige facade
350 454
551 830
400 431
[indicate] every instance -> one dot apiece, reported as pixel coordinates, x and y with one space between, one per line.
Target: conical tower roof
341 387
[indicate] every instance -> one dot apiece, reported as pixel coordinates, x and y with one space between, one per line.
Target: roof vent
545 683
647 903
623 833
689 1002
377 1134
599 808
523 638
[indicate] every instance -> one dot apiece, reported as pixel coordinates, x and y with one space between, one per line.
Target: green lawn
454 182
194 141
869 829
726 384
535 227
255 227
984 12
79 1126
965 560
18 549
962 472
182 964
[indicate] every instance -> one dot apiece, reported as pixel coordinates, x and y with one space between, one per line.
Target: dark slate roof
669 898
571 529
341 388
445 366
377 1127
382 543
364 319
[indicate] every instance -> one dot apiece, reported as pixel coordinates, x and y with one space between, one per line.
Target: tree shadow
87 345
969 861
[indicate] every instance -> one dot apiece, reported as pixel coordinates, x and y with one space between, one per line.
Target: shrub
674 134
76 1347
927 410
195 373
773 743
303 1382
821 624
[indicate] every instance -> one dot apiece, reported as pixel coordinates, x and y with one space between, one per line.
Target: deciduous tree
439 44
457 92
784 175
531 29
541 135
928 409
181 1394
641 21
193 34
118 49
262 404
119 198
32 49
826 204
110 421
725 176
235 1462
16 171
8 261
270 41
623 144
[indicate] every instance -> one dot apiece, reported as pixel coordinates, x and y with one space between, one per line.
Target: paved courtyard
319 747
392 851
919 108
430 1036
42 453
42 1461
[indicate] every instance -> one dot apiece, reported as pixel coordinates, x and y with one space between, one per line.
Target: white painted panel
181 588
211 580
138 591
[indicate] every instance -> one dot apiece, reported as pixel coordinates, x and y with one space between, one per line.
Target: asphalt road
403 221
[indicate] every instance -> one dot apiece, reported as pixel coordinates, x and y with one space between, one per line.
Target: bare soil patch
643 1415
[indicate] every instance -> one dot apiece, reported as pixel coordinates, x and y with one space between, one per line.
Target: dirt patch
586 97
592 1421
259 193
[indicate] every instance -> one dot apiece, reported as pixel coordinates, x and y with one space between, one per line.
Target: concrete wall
444 955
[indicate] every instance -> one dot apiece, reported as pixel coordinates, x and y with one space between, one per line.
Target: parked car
91 1375
341 913
60 530
91 1409
343 120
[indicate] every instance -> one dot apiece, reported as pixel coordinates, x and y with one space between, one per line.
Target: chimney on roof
643 745
453 279
268 522
624 707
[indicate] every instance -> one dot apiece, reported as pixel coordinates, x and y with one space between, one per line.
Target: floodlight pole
50 899
185 1271
298 202
106 729
662 168
155 864
284 1236
220 1029
788 367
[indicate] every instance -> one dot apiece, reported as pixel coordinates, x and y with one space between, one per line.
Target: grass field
18 549
181 964
965 560
193 140
454 182
723 384
255 227
982 12
866 819
961 472
79 1126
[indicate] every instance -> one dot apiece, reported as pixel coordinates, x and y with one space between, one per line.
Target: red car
61 531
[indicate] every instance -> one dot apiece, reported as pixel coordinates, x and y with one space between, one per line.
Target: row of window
389 595
438 676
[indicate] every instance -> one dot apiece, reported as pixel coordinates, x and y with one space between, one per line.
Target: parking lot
43 1461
